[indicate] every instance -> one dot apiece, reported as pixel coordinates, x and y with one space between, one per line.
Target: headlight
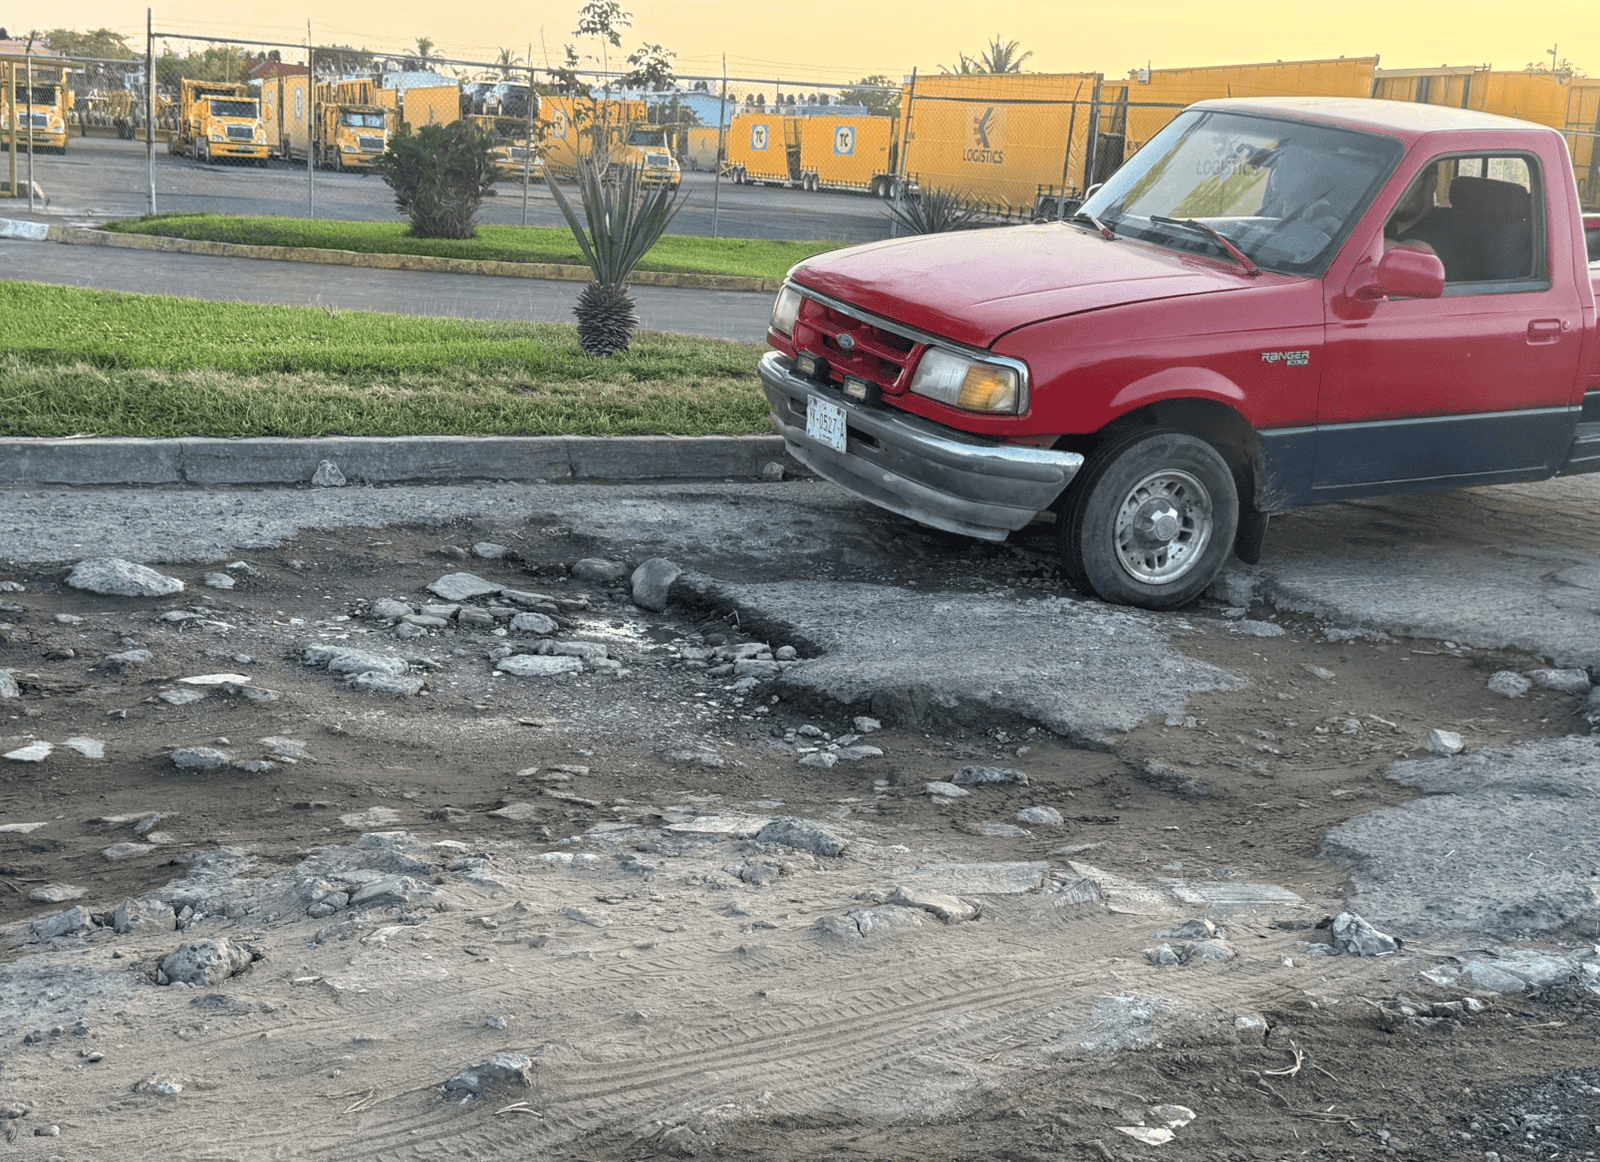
785 311
968 383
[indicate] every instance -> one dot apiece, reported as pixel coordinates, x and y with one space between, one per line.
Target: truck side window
1486 226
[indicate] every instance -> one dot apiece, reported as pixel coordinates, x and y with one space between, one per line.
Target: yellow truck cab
218 122
45 108
514 156
649 149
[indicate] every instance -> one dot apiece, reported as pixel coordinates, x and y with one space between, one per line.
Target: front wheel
1150 520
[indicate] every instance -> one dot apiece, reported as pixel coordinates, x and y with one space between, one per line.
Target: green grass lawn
674 252
110 364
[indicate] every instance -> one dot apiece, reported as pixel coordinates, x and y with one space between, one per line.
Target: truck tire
1150 520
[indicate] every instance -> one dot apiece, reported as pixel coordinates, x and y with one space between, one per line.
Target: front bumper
932 474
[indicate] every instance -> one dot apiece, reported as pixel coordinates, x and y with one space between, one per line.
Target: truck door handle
1545 330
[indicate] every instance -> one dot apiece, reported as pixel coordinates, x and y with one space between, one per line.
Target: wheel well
1215 423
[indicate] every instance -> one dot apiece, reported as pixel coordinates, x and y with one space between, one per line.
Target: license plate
825 423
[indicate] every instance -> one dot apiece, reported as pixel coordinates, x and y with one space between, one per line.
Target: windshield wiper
1238 255
1081 216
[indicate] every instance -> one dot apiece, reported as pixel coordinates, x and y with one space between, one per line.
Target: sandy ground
590 879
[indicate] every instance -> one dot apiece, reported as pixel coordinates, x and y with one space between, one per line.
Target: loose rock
462 587
1510 684
114 577
502 1071
652 582
205 962
803 834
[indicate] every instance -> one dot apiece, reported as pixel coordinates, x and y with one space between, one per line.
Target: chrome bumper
917 468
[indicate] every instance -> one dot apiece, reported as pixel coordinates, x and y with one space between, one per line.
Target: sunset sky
825 41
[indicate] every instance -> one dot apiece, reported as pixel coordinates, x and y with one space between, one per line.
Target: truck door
1470 388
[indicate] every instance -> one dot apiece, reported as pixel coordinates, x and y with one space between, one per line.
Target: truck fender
1177 383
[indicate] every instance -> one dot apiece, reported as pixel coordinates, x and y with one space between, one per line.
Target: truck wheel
1150 520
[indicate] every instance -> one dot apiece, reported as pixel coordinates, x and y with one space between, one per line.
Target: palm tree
999 57
506 62
425 48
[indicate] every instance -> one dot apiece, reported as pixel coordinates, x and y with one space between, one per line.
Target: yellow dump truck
219 122
648 148
44 108
345 129
515 152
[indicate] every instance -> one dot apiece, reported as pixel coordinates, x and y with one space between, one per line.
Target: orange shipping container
759 147
999 139
431 105
841 152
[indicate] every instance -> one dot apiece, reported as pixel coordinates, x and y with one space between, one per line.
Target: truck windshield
363 120
1283 192
220 108
656 138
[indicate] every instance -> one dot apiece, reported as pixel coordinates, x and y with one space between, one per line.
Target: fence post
150 105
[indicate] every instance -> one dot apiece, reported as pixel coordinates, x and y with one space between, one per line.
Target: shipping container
1000 139
430 105
1583 137
700 145
1140 106
845 152
1570 104
572 126
763 147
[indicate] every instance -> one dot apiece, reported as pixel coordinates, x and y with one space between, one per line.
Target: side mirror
1404 272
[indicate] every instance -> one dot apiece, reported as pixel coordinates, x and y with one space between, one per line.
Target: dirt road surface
686 898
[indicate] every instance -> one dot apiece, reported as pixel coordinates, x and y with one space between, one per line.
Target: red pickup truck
1275 302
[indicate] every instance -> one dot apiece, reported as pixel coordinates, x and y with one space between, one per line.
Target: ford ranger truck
1276 302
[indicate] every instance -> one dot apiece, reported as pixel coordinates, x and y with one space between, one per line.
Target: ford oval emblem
846 341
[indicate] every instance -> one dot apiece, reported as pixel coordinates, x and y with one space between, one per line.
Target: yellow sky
842 40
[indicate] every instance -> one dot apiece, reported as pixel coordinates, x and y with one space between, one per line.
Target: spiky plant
934 211
623 221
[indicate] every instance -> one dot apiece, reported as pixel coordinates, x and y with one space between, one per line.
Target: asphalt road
733 315
101 178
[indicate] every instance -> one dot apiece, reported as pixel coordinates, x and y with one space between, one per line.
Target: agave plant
623 221
933 211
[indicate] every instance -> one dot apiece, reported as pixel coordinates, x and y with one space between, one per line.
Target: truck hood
973 286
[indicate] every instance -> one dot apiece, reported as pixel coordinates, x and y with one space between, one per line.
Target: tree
877 93
506 62
650 68
101 44
999 57
564 80
604 19
439 176
425 48
624 221
218 62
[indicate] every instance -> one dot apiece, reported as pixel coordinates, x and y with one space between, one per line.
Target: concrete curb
207 462
87 236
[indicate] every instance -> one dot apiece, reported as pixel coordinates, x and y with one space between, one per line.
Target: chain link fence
200 124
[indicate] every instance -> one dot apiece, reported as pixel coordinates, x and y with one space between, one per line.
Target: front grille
370 144
660 160
39 120
239 133
875 352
